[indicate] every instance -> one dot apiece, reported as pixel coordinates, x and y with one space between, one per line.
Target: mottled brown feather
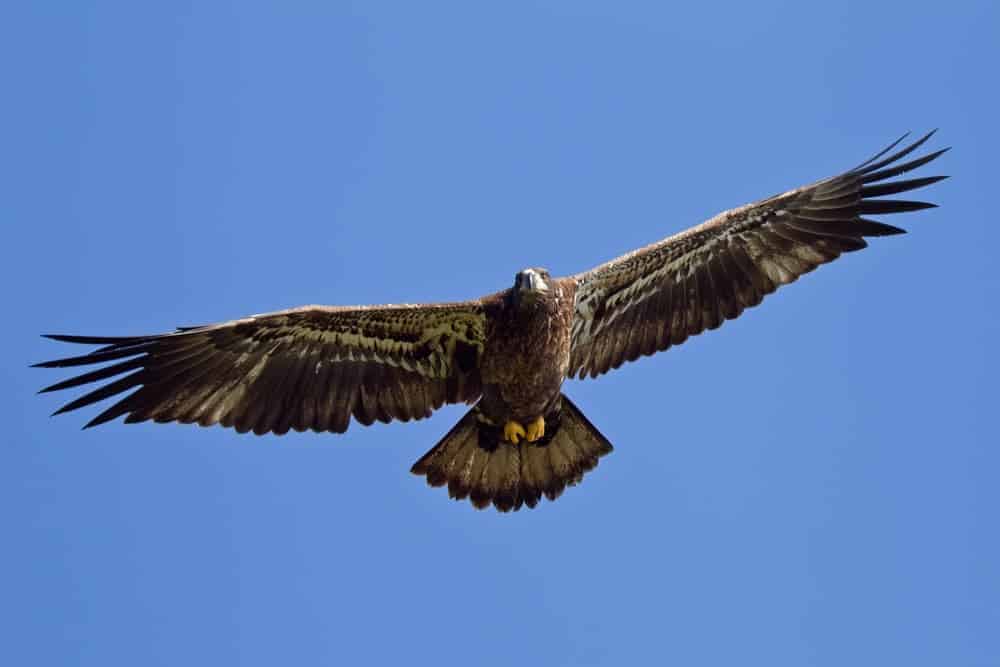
699 278
510 476
305 368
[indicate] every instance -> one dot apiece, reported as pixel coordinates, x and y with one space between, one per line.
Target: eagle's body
526 354
318 367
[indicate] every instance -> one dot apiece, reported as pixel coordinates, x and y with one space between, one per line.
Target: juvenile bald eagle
507 353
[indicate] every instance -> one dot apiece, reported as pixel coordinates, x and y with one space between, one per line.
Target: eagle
506 354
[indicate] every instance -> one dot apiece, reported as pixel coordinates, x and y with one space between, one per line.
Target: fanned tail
476 463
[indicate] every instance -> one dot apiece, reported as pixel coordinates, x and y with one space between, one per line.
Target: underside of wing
306 368
660 295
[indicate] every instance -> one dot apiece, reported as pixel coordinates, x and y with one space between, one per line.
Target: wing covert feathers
306 368
660 295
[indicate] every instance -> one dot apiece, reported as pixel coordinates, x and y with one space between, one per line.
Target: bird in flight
507 354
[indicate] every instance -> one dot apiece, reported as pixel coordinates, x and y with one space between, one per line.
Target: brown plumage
527 349
316 368
306 368
658 296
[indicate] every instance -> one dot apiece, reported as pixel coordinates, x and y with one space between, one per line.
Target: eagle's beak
530 281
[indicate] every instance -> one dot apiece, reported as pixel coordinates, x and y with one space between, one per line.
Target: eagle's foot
535 430
513 430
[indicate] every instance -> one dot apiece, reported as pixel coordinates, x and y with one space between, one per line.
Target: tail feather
475 464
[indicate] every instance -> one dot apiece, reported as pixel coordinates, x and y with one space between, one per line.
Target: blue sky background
813 484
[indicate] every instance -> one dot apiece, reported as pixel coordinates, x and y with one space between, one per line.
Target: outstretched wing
659 295
305 368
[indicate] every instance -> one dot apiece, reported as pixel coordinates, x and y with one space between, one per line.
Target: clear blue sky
815 483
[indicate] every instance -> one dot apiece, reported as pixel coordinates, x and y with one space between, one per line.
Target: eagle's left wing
306 368
659 295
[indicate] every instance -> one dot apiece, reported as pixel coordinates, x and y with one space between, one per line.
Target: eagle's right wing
305 368
660 295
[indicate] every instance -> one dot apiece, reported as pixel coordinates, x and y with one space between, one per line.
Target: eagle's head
529 284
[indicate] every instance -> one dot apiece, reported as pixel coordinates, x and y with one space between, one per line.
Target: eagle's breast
526 355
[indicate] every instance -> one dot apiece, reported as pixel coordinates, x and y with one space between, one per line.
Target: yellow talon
513 430
536 430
